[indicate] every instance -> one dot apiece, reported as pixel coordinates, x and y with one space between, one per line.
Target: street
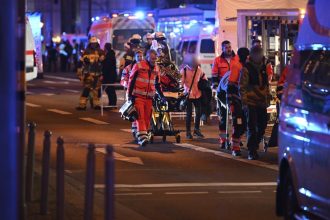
190 180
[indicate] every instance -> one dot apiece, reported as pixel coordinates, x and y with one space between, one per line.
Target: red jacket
221 65
142 80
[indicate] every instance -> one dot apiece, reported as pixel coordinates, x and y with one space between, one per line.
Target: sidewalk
74 200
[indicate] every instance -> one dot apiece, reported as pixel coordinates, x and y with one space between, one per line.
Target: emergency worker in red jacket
143 83
221 65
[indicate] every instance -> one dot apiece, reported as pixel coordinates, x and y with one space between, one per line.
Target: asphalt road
190 180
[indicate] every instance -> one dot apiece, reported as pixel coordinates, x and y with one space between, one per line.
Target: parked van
196 41
304 129
30 53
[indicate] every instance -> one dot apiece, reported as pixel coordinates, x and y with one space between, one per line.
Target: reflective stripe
145 80
143 93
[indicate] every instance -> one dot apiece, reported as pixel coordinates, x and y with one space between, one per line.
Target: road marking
58 82
126 130
73 91
239 192
29 93
62 78
135 160
59 111
47 94
175 185
121 99
95 121
133 194
222 154
32 105
185 193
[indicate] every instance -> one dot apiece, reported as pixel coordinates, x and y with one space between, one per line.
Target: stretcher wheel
164 138
178 139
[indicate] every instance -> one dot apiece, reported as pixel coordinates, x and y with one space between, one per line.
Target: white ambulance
197 41
120 27
30 58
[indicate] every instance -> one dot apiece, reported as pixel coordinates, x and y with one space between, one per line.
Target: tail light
34 58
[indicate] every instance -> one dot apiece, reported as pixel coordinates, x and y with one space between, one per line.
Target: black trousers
198 111
256 123
239 120
112 96
221 110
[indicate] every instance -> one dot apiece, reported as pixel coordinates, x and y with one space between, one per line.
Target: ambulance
197 41
30 53
34 38
120 27
303 186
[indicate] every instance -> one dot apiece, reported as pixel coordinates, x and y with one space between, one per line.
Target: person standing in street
90 73
234 101
52 57
125 78
255 95
75 54
144 82
190 78
110 73
63 56
221 65
269 66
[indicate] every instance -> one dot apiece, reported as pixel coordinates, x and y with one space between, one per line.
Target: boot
189 136
198 133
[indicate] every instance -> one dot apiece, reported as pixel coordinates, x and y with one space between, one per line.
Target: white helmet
160 36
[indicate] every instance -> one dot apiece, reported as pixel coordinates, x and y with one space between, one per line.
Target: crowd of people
241 82
63 56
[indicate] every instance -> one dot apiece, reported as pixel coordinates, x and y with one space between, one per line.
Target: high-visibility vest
142 80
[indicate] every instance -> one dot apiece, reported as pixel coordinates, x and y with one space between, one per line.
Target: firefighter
234 102
126 59
269 66
149 38
133 44
138 57
90 73
125 77
255 96
165 49
142 86
221 65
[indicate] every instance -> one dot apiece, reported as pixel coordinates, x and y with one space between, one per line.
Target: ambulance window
192 47
207 46
185 47
315 70
179 46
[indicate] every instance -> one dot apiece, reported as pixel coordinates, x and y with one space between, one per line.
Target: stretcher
161 121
